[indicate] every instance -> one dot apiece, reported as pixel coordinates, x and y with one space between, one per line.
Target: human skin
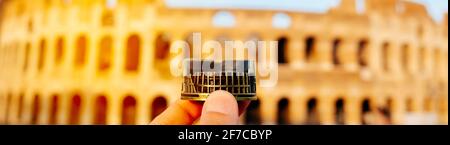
221 108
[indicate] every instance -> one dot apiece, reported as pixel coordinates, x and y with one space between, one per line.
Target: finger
221 108
180 113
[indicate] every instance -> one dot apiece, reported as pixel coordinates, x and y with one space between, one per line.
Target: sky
436 8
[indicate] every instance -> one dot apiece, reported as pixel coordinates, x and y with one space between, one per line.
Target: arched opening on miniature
282 49
35 109
363 53
81 51
340 112
253 115
283 112
75 110
27 57
310 47
54 108
42 50
59 52
312 116
336 49
366 112
133 53
406 52
101 110
129 110
385 52
158 106
20 107
105 54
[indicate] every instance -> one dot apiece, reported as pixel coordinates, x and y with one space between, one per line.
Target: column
268 110
352 111
326 110
297 110
63 109
143 110
44 111
87 109
323 53
348 54
114 110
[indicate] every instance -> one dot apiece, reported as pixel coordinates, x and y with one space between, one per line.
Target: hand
221 108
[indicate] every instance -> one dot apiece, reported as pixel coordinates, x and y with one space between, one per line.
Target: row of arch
99 113
362 53
105 57
367 107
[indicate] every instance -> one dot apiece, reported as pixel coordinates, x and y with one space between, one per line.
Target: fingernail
220 102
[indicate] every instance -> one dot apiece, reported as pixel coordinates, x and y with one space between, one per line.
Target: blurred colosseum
107 61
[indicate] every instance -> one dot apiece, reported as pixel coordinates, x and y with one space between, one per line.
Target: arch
409 105
20 107
101 109
59 52
54 109
283 111
108 18
81 51
9 105
41 58
389 108
283 44
406 52
362 53
129 110
105 54
312 116
133 53
366 110
386 56
340 111
75 110
27 56
437 60
428 104
223 19
281 21
336 47
159 104
35 109
422 58
310 48
162 47
253 115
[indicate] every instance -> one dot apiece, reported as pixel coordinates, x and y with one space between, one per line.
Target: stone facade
106 62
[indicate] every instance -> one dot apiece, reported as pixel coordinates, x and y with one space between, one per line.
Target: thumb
221 108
